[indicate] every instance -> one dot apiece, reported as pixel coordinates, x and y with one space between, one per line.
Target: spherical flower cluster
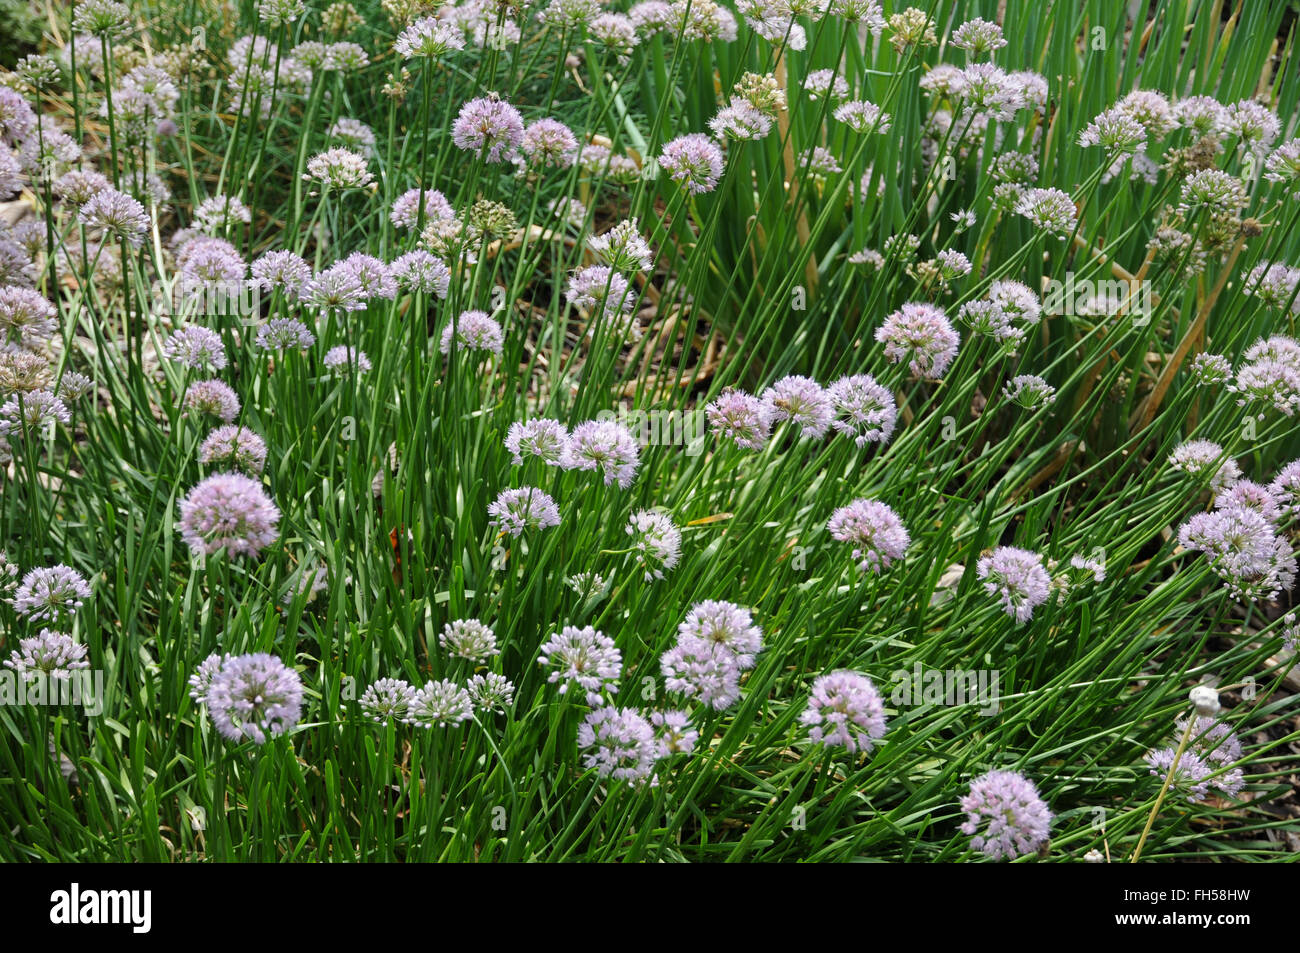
388 699
1049 210
862 116
549 143
542 437
428 36
618 743
1204 458
490 127
220 212
845 710
339 169
51 594
211 397
420 271
284 334
741 121
26 318
673 732
116 213
230 512
469 639
406 208
1115 130
864 409
923 333
1005 817
474 330
490 692
978 36
877 534
439 703
716 643
725 624
1018 578
281 271
1271 374
744 419
1029 391
657 541
50 654
526 508
622 248
250 697
344 358
585 657
693 161
802 401
1244 550
196 347
605 445
235 448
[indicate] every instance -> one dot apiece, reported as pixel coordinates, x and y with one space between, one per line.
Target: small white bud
1206 700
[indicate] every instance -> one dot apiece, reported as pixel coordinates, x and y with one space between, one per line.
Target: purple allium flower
651 17
228 511
599 285
343 358
1029 391
196 347
17 120
387 699
569 14
725 624
1273 284
26 318
406 209
33 410
374 278
428 36
1005 816
284 334
339 169
693 161
741 417
469 639
277 13
74 385
623 248
584 656
211 397
1050 210
102 18
877 534
490 127
1189 776
474 331
220 212
823 83
844 709
11 175
526 508
819 162
549 142
491 692
673 732
1018 578
605 445
1201 458
50 654
51 593
1214 190
702 670
234 447
1283 164
206 260
1244 551
657 541
337 288
862 116
1253 124
542 437
740 120
978 36
802 401
1116 130
282 271
253 697
117 213
1246 494
618 743
864 409
923 333
439 703
420 271
1285 488
78 186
